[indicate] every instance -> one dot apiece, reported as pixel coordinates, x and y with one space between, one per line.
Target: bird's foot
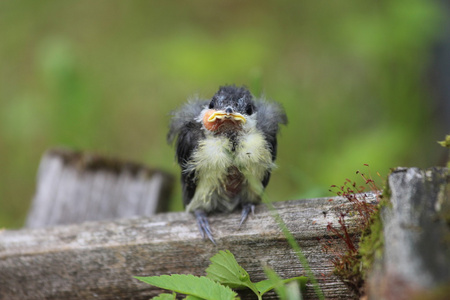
203 225
246 209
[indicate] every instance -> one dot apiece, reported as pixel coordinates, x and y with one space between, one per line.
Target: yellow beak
223 115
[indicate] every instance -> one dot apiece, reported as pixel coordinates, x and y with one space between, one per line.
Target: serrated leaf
225 269
201 287
165 296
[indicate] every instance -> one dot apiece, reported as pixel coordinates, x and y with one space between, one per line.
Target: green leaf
266 285
225 270
446 142
277 283
190 297
201 287
293 291
285 288
165 296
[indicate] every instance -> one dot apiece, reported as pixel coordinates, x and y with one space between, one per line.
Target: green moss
371 243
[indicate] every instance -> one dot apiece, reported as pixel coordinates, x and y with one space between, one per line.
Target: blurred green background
102 76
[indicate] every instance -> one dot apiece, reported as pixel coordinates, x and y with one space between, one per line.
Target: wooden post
74 187
416 233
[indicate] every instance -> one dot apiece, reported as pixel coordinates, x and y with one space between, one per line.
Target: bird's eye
211 104
249 109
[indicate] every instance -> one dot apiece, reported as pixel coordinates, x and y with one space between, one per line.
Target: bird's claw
246 209
203 225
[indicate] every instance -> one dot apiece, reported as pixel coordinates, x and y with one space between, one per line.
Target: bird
226 147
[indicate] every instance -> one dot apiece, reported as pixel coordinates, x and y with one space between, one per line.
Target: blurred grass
102 76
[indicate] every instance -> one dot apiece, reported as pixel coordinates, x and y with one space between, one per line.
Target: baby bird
226 148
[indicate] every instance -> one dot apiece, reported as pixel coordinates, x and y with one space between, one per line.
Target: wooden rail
97 260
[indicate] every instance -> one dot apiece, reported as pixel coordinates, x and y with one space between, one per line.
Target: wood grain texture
96 260
75 186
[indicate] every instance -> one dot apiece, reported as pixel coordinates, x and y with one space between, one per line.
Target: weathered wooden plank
96 260
416 234
77 186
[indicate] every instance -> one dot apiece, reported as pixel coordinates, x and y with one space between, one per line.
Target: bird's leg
203 225
246 209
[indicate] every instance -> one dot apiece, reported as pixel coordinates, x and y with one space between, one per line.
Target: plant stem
295 246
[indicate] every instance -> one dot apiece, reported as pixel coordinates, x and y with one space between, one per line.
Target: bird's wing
186 130
268 118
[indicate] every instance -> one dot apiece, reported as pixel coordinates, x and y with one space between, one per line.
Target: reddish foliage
361 210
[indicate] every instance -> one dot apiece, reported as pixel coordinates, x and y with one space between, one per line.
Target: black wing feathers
187 142
187 132
188 138
269 116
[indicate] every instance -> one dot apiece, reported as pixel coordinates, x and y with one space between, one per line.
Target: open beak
222 115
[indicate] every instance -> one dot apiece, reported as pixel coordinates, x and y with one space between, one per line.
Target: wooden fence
98 259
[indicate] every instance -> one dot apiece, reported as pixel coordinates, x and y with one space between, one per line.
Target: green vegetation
223 274
446 143
295 246
103 76
371 244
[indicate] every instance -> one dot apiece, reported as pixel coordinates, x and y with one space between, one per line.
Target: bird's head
229 109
